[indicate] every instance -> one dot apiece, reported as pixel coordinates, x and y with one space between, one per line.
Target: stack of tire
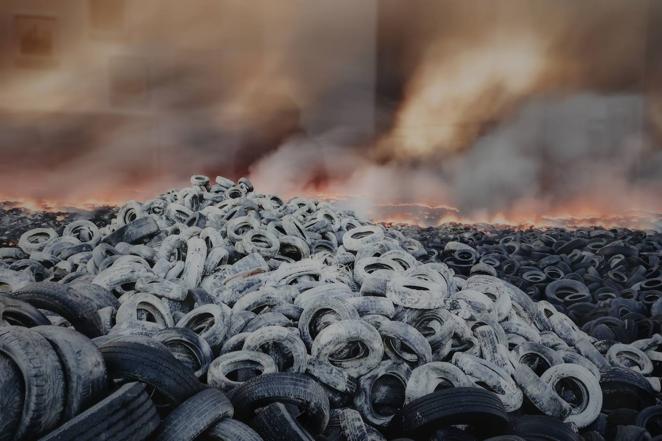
609 281
218 313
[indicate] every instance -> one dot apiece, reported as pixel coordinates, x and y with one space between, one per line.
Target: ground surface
15 220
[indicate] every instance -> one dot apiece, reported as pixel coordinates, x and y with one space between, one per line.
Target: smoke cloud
582 155
518 108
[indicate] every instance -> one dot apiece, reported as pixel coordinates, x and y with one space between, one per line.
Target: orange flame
575 214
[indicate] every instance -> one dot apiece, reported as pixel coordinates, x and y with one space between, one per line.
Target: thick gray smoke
579 155
582 150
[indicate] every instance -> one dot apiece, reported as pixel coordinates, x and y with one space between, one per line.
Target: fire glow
425 215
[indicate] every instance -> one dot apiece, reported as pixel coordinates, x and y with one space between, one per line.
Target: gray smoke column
582 155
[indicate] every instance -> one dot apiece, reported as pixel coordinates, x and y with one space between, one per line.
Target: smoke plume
515 108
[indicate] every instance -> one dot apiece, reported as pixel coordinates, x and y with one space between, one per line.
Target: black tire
83 366
592 436
333 431
43 379
620 417
631 433
210 321
600 424
100 296
623 387
651 419
478 408
297 389
543 428
12 392
369 396
137 231
348 426
150 362
339 386
194 416
230 430
275 423
575 291
453 434
187 347
19 313
64 301
126 414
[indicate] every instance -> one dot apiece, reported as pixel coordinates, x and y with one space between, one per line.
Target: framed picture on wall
35 40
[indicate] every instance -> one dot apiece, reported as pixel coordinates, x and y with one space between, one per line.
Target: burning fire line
418 214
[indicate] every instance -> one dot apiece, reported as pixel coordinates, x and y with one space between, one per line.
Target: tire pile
14 219
608 281
217 313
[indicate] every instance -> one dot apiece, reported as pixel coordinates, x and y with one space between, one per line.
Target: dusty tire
12 392
583 383
540 394
495 378
64 301
20 313
187 347
340 387
194 416
397 335
296 389
126 414
223 366
43 379
150 362
270 338
83 367
342 333
373 388
36 239
274 422
195 262
138 307
211 322
628 356
416 293
308 325
352 426
427 378
537 356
